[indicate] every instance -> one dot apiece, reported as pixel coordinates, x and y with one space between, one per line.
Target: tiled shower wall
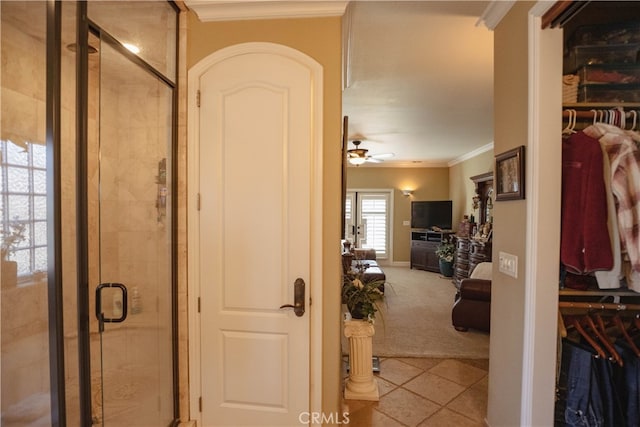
24 338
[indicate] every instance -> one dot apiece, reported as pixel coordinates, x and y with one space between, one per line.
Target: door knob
298 298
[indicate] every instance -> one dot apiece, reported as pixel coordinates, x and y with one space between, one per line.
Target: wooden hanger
601 332
562 329
634 326
587 321
620 325
573 321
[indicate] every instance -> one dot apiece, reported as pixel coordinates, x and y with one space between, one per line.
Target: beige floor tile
398 372
478 363
472 403
435 388
447 418
353 406
483 384
384 386
458 372
460 385
425 363
406 407
369 417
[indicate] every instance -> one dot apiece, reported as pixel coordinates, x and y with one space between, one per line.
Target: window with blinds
368 225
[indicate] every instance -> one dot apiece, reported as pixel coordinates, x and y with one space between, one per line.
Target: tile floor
425 392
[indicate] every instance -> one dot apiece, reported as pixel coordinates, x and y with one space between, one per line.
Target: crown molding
404 164
215 10
494 13
471 154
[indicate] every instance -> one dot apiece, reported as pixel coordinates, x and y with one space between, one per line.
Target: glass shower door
130 134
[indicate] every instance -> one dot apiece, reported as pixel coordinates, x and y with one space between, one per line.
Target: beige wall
319 38
426 183
508 293
461 188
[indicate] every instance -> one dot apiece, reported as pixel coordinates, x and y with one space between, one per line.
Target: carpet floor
415 319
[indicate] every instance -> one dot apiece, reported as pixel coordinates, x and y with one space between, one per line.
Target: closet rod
598 305
586 114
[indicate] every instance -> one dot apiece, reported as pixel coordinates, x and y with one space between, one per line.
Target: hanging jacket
585 245
624 159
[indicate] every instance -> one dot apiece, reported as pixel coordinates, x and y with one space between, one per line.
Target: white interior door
256 148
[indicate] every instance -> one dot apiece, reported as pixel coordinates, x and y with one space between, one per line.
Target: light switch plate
508 264
406 223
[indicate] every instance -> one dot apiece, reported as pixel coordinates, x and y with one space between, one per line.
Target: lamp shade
357 160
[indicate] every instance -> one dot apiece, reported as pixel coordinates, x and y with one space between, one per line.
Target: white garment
610 279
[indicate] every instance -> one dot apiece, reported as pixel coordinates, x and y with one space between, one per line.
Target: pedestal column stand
361 385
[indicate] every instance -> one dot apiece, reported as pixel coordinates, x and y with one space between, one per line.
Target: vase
446 268
9 274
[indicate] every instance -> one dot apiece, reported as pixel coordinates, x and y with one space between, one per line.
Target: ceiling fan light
357 160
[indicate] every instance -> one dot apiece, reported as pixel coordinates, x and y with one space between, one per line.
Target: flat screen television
432 213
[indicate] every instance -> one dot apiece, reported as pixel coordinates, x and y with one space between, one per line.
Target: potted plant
10 241
445 252
361 296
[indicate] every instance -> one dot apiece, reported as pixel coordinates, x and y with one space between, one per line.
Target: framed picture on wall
509 183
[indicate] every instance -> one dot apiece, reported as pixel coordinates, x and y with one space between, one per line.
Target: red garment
585 245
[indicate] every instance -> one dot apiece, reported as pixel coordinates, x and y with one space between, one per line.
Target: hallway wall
511 100
426 183
461 188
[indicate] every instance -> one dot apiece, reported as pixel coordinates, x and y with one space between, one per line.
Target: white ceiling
420 73
420 80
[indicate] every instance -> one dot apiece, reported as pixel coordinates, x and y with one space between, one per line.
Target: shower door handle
119 310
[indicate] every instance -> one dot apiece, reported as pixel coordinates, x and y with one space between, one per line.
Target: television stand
423 249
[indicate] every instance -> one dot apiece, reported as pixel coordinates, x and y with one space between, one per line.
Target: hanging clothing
579 401
585 245
592 391
624 158
610 279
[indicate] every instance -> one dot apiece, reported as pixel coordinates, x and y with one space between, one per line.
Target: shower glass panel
130 239
148 28
24 334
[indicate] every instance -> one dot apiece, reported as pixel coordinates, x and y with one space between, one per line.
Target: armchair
472 308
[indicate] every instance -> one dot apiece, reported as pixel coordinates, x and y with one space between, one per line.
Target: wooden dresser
470 251
461 269
479 251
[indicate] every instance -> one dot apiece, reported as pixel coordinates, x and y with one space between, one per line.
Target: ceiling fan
358 156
